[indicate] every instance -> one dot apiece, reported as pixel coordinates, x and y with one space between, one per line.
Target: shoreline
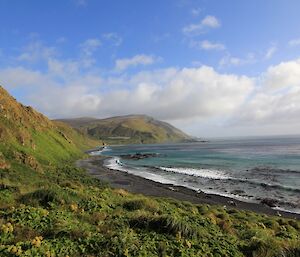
94 165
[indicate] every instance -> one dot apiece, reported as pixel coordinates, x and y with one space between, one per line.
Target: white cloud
283 75
114 38
61 40
87 51
207 45
36 51
196 11
89 46
270 52
142 59
209 22
294 42
229 60
168 94
20 77
277 100
81 3
63 68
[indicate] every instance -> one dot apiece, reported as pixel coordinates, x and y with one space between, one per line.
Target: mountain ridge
132 128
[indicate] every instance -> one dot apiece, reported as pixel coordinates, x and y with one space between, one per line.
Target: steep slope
29 137
129 129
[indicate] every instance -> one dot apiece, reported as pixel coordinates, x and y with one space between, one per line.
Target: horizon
212 69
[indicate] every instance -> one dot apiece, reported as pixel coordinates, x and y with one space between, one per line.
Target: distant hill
28 137
129 129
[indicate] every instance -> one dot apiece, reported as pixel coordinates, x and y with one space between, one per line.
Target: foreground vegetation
64 212
50 208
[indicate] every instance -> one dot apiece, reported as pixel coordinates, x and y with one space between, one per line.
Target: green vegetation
131 129
50 208
32 139
64 212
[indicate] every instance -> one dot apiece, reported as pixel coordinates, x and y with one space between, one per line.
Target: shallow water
247 169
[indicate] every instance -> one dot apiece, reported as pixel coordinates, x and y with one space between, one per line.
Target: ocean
248 169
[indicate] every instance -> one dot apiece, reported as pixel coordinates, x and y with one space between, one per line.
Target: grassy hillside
128 129
50 208
30 141
29 136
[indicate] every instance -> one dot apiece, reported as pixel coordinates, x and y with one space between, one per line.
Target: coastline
135 184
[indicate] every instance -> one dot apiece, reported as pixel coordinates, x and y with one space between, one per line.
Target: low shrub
164 224
139 204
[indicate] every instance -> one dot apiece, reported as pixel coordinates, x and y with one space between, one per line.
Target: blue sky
213 68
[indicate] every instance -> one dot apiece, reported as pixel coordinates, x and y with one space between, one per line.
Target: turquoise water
247 169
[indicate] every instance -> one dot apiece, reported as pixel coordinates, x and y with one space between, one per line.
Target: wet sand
139 185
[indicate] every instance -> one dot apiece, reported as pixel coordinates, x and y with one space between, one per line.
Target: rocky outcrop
65 137
28 160
139 156
3 163
269 202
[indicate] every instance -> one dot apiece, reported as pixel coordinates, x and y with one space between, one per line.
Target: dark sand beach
139 185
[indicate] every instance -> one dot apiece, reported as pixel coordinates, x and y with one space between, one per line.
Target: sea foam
99 152
204 173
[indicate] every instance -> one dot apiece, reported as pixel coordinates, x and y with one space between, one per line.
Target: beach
135 184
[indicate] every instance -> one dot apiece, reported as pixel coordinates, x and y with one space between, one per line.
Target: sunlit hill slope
129 129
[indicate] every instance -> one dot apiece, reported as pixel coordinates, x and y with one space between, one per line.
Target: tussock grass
164 224
139 204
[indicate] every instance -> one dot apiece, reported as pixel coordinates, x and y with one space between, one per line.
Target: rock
232 203
269 202
21 139
1 133
238 192
199 191
27 160
65 137
3 163
138 156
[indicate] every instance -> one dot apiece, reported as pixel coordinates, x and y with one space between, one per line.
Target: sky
212 68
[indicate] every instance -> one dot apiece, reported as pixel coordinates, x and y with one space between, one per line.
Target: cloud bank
67 88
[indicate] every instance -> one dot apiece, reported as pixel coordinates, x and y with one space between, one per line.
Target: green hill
29 136
50 208
129 129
